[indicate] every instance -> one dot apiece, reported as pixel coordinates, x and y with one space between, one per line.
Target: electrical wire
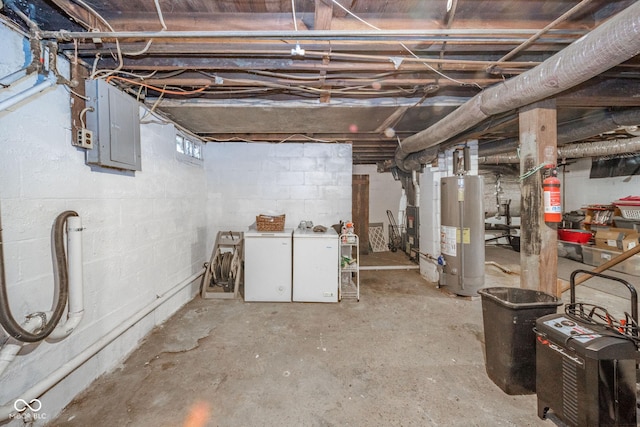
157 89
599 317
148 45
153 107
293 10
139 76
405 47
160 16
374 78
86 98
141 51
119 51
82 113
314 78
294 135
314 90
533 171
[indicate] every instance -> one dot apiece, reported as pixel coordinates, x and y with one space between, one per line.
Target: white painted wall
384 193
143 234
581 191
310 181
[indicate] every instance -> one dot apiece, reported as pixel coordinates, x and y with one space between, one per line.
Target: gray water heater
462 234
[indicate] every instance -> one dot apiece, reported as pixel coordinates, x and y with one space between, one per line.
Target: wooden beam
81 15
78 103
538 241
323 15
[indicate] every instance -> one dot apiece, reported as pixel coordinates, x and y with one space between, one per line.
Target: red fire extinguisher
552 198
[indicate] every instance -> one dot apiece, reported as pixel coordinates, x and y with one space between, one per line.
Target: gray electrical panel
115 124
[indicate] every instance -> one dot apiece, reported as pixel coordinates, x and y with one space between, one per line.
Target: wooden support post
538 241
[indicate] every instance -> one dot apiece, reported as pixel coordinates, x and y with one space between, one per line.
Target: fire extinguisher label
552 202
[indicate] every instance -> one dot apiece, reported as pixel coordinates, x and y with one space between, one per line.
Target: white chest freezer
267 265
316 258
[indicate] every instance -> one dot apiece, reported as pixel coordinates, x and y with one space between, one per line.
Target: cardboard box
620 239
595 257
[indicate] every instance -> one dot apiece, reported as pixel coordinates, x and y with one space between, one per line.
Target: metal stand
223 272
395 234
349 268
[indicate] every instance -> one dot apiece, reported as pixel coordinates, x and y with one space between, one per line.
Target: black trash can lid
519 298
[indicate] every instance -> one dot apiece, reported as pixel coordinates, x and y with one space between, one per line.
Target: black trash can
509 316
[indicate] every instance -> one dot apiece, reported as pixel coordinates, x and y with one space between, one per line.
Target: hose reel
222 273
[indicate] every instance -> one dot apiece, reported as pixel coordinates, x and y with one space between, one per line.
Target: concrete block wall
310 181
143 233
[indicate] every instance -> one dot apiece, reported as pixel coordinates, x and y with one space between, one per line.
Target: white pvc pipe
21 96
388 267
75 309
10 349
63 371
402 208
10 79
414 179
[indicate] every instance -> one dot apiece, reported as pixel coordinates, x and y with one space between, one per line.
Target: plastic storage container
509 316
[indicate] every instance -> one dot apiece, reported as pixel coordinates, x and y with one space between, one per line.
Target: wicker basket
270 222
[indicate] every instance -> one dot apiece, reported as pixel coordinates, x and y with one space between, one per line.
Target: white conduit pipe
10 79
388 267
393 35
416 186
63 371
10 349
21 96
75 309
402 208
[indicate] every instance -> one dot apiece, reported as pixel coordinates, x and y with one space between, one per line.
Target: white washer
267 265
316 257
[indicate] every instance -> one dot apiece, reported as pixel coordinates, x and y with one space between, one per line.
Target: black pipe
10 325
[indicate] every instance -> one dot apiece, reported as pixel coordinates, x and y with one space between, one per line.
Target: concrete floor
407 354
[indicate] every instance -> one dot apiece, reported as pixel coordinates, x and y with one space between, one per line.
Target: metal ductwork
608 45
587 127
575 151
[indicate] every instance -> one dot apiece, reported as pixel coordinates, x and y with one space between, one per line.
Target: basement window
188 148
